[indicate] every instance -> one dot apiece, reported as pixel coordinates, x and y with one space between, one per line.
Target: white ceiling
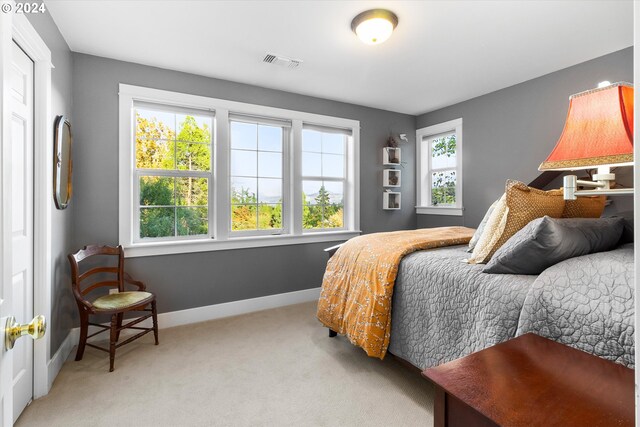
442 52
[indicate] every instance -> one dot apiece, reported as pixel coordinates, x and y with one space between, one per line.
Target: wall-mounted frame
391 200
391 156
62 164
391 178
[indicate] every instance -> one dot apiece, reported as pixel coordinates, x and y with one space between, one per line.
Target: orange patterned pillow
521 205
584 207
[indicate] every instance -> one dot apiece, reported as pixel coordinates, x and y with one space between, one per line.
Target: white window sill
432 210
206 245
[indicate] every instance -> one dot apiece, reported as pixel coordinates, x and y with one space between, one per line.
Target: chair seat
122 300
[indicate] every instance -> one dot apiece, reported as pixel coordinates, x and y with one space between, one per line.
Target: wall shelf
392 178
391 200
391 156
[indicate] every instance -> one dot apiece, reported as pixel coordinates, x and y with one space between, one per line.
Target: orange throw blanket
358 283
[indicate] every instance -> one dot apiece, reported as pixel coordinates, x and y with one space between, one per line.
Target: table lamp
598 133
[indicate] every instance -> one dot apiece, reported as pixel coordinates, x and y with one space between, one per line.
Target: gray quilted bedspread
587 303
444 309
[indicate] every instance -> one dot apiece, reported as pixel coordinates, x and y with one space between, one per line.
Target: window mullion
222 220
295 162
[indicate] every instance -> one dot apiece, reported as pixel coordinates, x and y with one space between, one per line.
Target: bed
444 309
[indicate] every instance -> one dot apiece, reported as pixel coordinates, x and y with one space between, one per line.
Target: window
172 172
200 174
257 179
323 177
439 166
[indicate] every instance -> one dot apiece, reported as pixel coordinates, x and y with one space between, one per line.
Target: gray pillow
476 236
547 241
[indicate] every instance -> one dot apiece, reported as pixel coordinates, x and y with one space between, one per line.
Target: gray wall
63 309
194 280
508 133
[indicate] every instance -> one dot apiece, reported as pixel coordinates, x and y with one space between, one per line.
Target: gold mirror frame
62 164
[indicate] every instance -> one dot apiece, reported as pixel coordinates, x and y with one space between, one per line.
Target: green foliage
185 199
443 188
322 214
445 146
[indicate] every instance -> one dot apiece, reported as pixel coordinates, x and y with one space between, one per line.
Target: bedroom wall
508 133
63 309
200 279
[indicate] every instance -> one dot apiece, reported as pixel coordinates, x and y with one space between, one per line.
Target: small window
323 177
257 176
172 172
440 169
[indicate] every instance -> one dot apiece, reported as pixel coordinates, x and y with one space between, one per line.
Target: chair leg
120 316
112 341
84 327
155 320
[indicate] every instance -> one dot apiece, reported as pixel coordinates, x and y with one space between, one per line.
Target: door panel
22 221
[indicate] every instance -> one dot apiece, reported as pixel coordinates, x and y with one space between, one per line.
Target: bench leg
332 333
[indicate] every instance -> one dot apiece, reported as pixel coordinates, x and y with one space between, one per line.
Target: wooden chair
115 305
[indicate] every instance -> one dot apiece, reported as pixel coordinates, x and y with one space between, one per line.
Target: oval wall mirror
62 187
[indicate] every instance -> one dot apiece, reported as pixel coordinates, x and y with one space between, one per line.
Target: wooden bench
532 381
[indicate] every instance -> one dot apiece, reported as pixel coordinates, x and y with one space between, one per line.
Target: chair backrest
97 276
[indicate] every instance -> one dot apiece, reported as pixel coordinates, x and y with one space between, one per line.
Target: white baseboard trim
209 312
234 308
55 364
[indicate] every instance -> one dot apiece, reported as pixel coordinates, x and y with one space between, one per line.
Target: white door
21 99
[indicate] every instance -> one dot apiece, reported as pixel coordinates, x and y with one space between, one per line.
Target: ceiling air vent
282 61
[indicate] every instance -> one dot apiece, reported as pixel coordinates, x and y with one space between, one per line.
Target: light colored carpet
270 368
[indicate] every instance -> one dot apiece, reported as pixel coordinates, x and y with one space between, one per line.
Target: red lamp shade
598 130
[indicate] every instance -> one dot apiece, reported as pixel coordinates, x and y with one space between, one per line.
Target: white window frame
424 169
173 173
286 144
221 237
344 180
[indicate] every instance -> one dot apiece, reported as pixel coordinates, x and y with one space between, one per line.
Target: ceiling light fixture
374 26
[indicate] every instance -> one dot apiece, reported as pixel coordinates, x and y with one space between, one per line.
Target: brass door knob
14 330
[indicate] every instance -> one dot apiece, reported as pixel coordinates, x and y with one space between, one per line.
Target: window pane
244 190
269 190
270 165
157 222
269 138
333 165
443 152
311 140
333 143
311 209
192 221
270 216
194 128
156 191
443 188
244 135
244 163
243 217
193 157
192 191
335 192
311 164
155 124
333 212
155 153
310 190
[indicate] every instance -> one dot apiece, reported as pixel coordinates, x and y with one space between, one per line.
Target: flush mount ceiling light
374 26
